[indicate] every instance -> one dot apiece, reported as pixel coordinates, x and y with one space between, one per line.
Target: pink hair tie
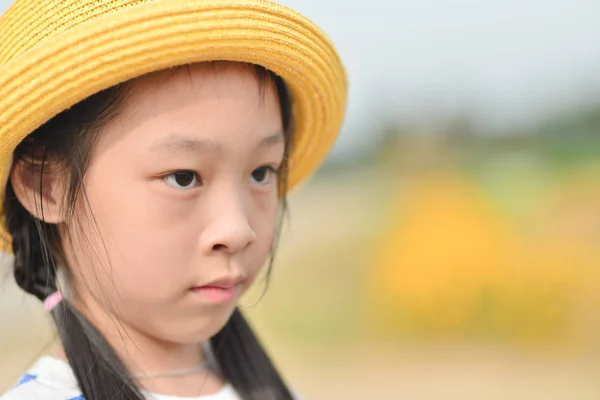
52 301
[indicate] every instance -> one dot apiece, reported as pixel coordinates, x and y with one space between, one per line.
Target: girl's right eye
182 180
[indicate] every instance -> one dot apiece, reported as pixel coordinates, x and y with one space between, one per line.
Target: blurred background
449 248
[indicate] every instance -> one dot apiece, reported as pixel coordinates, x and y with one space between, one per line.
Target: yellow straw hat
55 53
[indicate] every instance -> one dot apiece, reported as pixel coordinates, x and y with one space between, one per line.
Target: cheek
133 245
265 223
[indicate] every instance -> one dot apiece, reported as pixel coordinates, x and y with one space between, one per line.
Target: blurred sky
503 62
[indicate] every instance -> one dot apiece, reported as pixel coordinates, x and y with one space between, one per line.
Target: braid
94 362
34 266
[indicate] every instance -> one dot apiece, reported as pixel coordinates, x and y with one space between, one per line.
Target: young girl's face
182 189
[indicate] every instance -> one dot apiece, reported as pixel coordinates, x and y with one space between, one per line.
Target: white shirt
53 379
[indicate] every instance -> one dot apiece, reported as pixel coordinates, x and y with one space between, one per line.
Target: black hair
67 141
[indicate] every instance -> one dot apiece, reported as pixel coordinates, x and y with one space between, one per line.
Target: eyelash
271 169
197 178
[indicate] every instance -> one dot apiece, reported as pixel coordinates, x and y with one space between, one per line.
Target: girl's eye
263 175
182 180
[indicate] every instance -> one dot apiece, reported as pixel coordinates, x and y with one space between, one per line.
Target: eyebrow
176 142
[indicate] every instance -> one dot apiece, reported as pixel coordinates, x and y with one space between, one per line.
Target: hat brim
39 82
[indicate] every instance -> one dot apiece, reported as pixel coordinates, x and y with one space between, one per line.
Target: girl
146 148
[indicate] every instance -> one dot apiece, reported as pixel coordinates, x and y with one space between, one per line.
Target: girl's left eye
182 180
263 175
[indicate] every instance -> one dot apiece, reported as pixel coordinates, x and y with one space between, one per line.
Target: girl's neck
202 382
142 354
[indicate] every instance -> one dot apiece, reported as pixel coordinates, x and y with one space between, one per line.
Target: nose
228 229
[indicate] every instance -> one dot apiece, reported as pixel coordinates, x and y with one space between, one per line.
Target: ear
39 190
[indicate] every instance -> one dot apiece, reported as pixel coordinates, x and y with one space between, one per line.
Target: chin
193 332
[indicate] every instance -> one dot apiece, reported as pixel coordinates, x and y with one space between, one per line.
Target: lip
226 282
222 290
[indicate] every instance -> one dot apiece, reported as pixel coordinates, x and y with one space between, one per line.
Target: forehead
205 82
216 101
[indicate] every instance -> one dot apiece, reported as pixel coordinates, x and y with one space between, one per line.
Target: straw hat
55 53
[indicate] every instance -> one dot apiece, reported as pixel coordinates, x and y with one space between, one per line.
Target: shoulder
297 396
29 388
49 379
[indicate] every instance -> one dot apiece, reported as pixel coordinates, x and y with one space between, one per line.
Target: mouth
220 291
